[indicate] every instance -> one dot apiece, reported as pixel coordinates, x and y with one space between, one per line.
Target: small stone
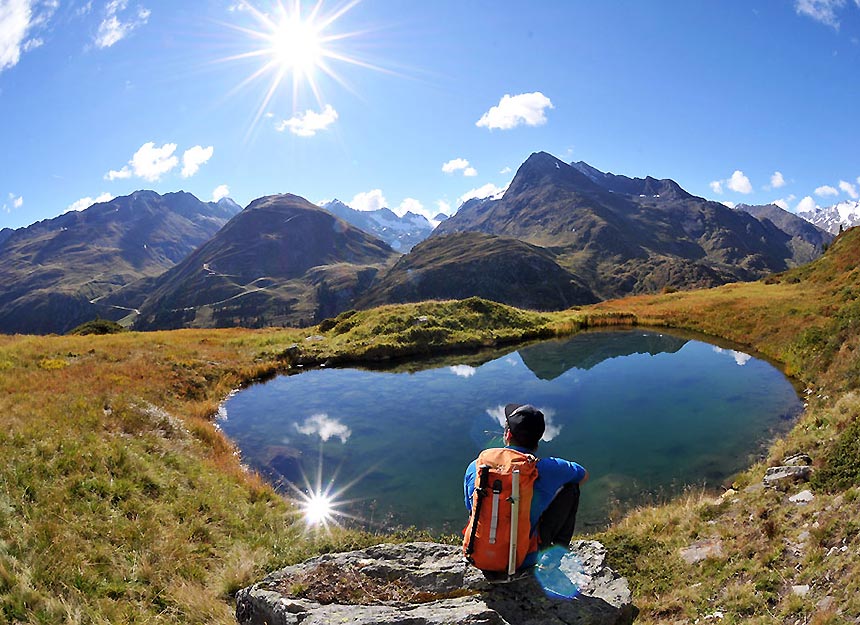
803 536
803 497
825 604
702 550
801 590
315 338
797 460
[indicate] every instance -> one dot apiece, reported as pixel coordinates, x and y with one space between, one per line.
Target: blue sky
414 105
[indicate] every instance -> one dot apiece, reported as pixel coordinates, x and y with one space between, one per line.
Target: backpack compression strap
481 490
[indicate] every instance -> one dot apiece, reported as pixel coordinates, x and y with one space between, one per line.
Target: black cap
525 423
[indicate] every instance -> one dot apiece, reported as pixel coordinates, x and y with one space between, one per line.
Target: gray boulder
430 584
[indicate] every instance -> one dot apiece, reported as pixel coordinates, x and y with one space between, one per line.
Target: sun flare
297 45
318 509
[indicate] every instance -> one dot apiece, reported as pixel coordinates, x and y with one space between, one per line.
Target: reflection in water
551 359
497 413
325 427
740 358
463 371
671 414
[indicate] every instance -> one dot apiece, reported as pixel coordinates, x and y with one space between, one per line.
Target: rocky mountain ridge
402 233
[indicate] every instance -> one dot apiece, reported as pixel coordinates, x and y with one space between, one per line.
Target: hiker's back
498 535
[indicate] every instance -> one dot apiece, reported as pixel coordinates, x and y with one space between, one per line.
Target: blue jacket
553 473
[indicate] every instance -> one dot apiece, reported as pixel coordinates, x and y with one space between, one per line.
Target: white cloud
309 123
513 111
443 206
119 174
459 164
717 187
150 162
505 170
728 204
776 180
487 190
463 371
781 203
325 427
86 202
18 20
455 164
220 192
826 190
739 182
848 188
824 11
805 205
551 430
193 158
410 205
369 201
16 201
112 29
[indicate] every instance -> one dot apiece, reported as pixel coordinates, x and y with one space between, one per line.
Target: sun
297 42
318 509
297 46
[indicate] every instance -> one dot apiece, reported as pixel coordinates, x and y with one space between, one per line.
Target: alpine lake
648 413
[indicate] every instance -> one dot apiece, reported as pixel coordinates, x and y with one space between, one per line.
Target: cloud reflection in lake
463 371
740 357
552 430
325 427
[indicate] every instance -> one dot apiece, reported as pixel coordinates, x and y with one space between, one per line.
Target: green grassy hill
120 501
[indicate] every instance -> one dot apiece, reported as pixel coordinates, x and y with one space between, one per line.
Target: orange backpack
497 537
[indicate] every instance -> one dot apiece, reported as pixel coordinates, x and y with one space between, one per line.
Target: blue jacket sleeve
469 484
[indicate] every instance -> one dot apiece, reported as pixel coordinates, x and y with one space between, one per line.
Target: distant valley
561 235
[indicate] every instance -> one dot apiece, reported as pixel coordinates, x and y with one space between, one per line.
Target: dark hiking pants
558 520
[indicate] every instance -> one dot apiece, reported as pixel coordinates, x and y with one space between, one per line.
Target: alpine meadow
200 199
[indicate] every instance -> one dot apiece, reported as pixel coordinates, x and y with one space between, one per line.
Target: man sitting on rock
555 498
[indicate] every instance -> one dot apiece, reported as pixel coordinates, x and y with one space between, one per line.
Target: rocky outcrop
794 469
430 584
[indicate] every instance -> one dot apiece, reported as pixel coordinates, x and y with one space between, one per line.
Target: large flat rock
440 588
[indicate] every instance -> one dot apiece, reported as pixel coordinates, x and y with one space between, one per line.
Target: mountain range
834 218
54 273
402 233
559 236
623 235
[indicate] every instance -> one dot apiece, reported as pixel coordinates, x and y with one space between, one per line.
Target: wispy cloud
119 22
484 191
15 201
20 23
193 158
309 123
849 189
777 181
462 371
512 111
823 11
826 191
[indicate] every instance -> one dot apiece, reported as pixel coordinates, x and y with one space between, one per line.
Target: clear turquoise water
647 414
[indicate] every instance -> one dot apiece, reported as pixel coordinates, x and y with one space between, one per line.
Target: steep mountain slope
281 261
808 240
53 273
470 264
832 218
401 233
625 235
